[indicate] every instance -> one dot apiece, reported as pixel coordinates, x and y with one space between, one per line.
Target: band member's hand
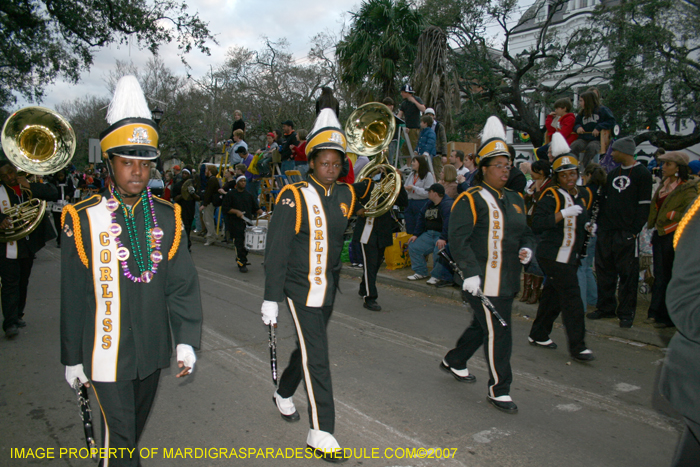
412 239
591 228
571 211
361 212
525 255
190 190
76 372
471 285
23 181
441 244
185 359
6 224
269 312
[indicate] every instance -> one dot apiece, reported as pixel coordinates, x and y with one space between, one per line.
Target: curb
603 327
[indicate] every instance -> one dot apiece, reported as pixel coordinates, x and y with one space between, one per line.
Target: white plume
128 101
558 145
493 129
326 118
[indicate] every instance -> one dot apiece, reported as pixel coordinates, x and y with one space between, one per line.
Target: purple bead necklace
154 236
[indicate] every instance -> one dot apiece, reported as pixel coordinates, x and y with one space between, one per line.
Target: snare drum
255 238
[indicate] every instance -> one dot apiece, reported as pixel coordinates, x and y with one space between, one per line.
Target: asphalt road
391 398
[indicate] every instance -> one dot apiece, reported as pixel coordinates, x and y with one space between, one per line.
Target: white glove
572 211
591 228
471 285
186 355
76 371
528 255
269 312
190 190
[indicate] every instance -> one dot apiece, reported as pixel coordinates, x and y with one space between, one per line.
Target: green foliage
41 40
655 72
377 54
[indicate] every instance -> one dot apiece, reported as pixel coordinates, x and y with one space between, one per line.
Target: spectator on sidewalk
624 209
417 184
207 207
430 236
590 121
593 178
426 139
677 191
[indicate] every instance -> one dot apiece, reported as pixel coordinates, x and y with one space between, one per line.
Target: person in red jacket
562 120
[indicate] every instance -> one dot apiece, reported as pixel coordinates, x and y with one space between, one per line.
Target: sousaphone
369 131
38 141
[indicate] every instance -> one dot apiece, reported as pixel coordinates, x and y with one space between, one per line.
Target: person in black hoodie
237 204
624 209
592 118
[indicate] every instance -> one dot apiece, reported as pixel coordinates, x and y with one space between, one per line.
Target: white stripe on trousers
106 434
491 344
305 366
364 267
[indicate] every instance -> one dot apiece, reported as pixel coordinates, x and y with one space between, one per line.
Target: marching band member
18 256
302 267
560 217
489 238
127 282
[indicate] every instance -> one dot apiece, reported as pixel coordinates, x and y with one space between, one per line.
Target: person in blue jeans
429 236
594 177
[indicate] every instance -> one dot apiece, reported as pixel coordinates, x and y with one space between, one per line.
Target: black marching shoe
599 315
243 268
503 406
287 418
462 379
584 356
548 344
21 323
11 332
372 304
334 457
626 323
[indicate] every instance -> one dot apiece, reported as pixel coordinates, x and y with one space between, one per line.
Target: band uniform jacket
382 226
118 329
486 233
561 241
36 240
305 240
680 376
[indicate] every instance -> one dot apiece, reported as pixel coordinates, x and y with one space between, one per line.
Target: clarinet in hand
594 218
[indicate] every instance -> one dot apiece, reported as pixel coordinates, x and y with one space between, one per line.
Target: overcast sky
234 23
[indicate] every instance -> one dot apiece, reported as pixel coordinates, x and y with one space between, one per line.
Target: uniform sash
367 230
318 247
492 274
5 204
106 274
567 244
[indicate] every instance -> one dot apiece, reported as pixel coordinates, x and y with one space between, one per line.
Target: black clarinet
273 352
594 217
86 416
484 299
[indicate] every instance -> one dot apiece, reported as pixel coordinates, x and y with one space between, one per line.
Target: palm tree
380 48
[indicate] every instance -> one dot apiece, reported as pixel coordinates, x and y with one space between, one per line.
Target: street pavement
391 397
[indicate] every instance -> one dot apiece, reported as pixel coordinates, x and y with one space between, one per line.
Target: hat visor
566 167
133 153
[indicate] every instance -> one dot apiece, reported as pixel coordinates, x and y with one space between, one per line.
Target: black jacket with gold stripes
487 230
305 240
120 330
561 241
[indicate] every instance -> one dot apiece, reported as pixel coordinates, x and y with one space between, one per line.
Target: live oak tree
41 40
654 48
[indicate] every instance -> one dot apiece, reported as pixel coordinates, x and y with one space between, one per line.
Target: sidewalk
640 332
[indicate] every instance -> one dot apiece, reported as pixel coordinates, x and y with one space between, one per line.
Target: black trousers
57 224
664 255
125 406
561 294
238 235
14 274
616 255
497 341
372 257
688 448
310 361
187 222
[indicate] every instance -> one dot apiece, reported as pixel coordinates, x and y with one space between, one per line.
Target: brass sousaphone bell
369 131
38 141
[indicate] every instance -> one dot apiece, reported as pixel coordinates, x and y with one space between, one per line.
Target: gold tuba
38 141
369 131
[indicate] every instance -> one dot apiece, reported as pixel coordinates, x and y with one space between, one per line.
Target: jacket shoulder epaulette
165 202
294 188
87 203
77 233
